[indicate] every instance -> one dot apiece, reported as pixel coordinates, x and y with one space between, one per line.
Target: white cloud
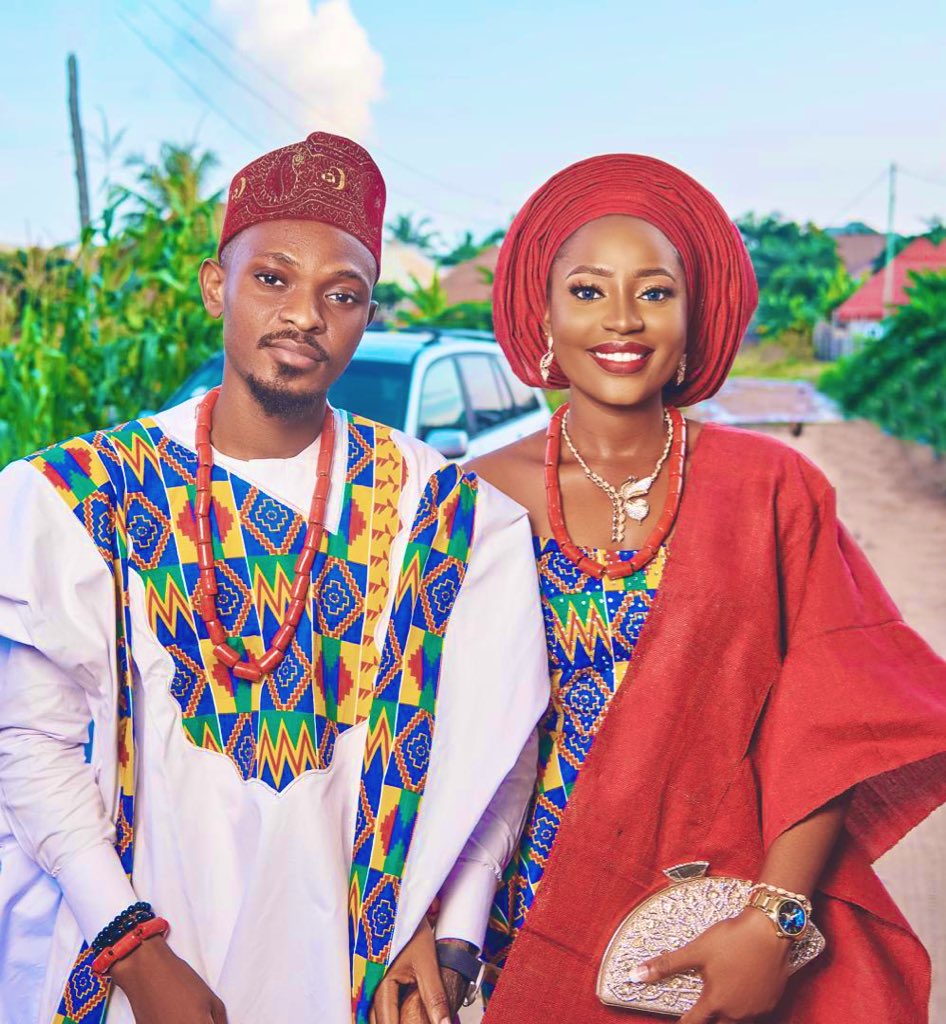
323 54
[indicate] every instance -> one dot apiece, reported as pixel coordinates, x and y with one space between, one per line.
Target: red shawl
774 673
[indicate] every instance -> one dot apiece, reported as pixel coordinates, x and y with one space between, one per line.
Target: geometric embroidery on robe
591 630
401 722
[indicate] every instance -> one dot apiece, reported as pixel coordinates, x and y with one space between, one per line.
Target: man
256 677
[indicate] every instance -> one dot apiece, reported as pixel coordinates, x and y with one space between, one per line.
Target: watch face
792 918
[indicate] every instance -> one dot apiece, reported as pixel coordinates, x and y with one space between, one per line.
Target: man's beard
278 399
275 397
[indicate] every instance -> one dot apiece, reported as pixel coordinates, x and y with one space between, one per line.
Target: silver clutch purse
668 920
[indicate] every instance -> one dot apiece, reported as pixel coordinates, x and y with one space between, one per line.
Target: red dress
773 674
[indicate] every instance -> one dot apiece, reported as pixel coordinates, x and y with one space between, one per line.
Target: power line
283 87
939 182
860 196
190 84
220 66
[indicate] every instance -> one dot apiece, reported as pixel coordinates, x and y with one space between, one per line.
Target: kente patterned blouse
591 629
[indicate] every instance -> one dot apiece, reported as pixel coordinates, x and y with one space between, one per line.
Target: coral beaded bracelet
128 943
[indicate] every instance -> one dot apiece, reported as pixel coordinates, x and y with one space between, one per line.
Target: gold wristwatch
788 911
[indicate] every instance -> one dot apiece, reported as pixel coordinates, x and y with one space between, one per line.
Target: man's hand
412 1009
744 965
416 965
161 987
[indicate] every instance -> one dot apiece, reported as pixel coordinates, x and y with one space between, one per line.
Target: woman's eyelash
576 289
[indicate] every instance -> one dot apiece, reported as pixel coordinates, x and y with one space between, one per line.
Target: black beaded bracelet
124 923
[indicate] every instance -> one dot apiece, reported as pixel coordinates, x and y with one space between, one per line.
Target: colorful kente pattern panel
401 722
88 477
591 629
274 731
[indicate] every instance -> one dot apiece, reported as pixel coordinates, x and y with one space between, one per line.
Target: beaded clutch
668 920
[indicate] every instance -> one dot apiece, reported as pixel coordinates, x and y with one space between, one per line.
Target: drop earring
682 370
545 363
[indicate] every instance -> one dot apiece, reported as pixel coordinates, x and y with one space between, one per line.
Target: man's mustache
299 337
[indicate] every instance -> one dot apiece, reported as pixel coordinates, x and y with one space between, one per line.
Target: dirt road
891 499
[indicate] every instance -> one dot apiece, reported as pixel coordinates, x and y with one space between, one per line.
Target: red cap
326 178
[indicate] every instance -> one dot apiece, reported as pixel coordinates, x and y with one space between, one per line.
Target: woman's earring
682 370
545 363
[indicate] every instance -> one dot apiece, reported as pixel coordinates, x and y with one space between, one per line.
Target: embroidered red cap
326 178
721 283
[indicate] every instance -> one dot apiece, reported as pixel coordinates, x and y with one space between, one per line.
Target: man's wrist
460 963
456 987
125 971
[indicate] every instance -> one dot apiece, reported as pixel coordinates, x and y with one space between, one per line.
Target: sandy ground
893 499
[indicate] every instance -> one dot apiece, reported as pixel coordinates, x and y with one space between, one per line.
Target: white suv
451 388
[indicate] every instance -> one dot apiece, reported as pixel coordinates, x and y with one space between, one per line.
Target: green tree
898 380
94 337
410 231
467 248
801 278
431 308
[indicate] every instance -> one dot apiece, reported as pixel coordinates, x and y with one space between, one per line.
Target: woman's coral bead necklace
615 568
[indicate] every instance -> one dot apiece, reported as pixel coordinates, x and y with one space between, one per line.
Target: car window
523 397
441 400
490 401
374 389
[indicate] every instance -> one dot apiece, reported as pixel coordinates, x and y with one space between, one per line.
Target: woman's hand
161 987
744 965
416 965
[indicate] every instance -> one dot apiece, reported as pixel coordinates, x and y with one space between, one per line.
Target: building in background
862 315
859 248
472 281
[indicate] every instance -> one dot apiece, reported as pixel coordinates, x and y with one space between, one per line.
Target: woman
730 681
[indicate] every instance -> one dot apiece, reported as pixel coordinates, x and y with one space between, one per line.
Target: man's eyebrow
279 257
352 275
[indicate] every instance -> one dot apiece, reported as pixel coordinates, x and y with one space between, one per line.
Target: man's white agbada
253 881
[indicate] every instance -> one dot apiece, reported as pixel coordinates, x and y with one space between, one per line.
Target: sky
795 108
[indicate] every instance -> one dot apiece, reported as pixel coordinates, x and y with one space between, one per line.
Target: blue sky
796 108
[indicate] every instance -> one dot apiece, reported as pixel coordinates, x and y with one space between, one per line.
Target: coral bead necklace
254 669
615 568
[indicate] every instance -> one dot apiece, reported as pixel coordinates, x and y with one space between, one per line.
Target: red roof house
866 305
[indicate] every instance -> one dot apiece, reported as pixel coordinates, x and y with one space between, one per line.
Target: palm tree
176 183
405 229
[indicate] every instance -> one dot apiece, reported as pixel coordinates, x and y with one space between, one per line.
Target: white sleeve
496 653
57 638
469 891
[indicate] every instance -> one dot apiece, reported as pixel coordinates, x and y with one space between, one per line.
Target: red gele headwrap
721 283
326 178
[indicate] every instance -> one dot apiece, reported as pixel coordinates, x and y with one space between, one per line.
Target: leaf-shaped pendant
637 509
636 488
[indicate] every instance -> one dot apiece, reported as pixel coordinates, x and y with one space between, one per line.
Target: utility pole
82 179
888 264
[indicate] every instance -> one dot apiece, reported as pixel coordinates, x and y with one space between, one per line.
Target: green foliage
94 336
405 229
388 294
432 309
801 278
899 379
467 248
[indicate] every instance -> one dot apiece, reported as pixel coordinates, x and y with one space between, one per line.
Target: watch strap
467 964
